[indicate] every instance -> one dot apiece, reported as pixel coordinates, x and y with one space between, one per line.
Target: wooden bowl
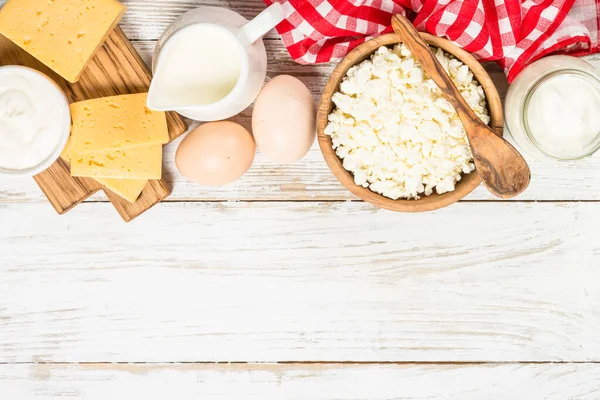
426 203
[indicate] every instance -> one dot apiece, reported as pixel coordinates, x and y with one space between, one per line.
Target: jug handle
263 23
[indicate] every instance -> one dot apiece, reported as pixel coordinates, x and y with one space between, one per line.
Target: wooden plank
295 382
311 179
300 282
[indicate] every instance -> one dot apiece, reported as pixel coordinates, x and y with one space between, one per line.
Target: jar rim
589 149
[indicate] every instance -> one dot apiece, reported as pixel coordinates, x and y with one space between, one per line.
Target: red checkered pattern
511 32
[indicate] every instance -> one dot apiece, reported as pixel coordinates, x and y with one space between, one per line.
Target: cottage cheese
396 132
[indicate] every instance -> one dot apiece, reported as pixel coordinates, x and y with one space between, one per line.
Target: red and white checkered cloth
511 32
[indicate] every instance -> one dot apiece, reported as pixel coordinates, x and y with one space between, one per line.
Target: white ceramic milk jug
211 63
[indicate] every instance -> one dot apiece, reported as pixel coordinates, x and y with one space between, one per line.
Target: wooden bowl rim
426 203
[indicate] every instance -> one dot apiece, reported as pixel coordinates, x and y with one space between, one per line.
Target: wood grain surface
300 282
301 382
482 300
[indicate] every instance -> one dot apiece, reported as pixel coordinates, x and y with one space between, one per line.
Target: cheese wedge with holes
129 189
118 122
132 163
63 34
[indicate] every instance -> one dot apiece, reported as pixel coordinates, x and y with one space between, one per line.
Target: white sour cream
552 108
563 114
35 121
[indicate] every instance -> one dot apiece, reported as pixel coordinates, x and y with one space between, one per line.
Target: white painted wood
300 282
300 382
306 281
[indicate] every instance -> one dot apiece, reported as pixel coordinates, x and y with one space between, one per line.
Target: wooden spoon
502 169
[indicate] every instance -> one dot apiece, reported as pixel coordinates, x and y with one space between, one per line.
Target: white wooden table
284 286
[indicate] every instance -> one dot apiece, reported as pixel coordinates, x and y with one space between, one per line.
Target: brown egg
284 120
216 153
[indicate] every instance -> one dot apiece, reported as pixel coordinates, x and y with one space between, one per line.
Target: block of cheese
128 163
129 189
116 123
63 34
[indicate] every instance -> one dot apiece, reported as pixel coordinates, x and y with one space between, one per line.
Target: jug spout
155 100
173 90
158 95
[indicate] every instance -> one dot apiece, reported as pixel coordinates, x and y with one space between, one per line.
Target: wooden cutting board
115 70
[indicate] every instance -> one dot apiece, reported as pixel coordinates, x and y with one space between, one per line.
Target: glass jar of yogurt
553 109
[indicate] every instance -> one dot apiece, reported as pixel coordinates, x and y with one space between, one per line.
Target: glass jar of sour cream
553 109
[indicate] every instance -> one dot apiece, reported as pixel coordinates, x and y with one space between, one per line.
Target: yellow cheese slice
63 34
129 189
116 123
134 163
